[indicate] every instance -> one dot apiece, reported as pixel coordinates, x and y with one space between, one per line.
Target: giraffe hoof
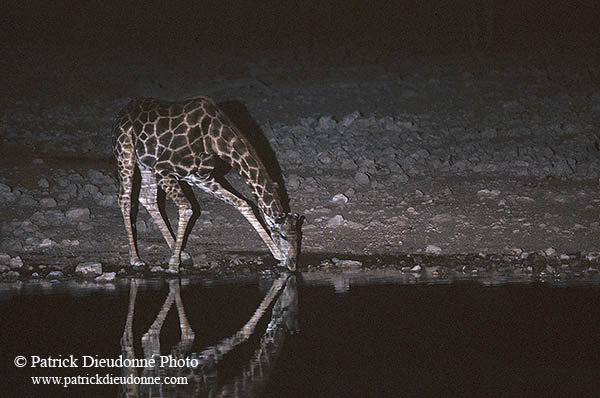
186 259
173 265
138 265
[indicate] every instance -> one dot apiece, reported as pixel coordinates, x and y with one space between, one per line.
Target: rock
4 259
339 199
550 252
349 164
43 183
524 199
79 214
55 275
416 268
90 189
348 264
11 245
326 123
324 157
561 168
487 194
5 189
82 226
16 263
62 181
48 202
69 242
362 178
157 269
141 226
353 225
550 270
515 251
335 221
348 119
411 210
27 200
35 275
106 277
398 178
46 243
89 269
76 178
107 200
11 275
442 218
50 217
432 249
308 122
95 176
293 182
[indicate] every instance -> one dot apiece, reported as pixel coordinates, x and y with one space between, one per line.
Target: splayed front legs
212 186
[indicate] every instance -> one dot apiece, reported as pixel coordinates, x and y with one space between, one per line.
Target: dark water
308 335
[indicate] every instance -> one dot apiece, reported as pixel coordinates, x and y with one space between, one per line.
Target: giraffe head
286 233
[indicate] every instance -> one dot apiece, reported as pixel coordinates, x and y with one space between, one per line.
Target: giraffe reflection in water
200 369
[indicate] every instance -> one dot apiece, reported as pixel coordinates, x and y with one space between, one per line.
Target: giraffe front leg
125 204
149 199
173 190
221 192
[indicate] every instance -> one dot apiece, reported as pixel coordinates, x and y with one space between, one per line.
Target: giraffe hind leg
148 198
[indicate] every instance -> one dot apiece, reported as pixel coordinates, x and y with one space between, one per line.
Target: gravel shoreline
448 157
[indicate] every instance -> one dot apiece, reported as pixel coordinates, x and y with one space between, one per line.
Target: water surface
315 334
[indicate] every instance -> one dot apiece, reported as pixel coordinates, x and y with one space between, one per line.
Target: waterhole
308 334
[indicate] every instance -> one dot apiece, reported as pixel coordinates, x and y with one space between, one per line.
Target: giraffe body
170 142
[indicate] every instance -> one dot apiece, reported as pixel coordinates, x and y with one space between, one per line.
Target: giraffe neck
268 199
230 145
264 189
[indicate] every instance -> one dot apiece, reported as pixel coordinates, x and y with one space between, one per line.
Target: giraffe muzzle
290 263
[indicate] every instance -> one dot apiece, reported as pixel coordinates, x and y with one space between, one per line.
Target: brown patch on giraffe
177 122
162 124
150 129
165 138
205 124
152 116
210 108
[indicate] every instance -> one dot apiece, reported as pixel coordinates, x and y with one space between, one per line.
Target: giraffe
170 142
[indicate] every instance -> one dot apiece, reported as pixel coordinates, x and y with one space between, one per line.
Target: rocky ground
401 162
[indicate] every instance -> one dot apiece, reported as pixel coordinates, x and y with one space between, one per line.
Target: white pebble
340 198
432 249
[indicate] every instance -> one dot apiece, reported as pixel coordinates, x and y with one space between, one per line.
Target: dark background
415 26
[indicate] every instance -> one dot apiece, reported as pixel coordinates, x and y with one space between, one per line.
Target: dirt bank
384 155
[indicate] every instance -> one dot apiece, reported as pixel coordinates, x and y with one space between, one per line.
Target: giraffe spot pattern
180 139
